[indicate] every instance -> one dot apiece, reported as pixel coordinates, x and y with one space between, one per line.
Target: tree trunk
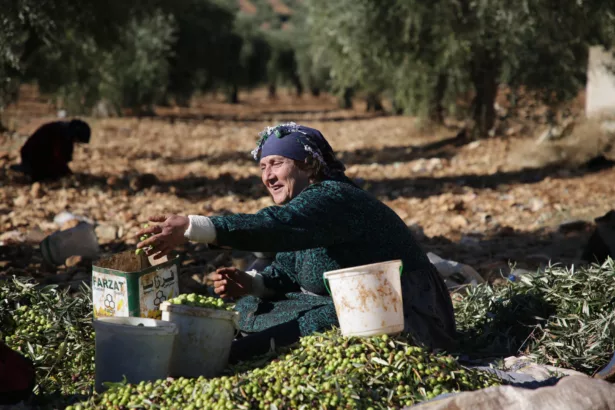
9 93
31 46
485 72
233 95
298 85
436 109
145 110
182 100
166 99
397 108
272 91
373 103
346 100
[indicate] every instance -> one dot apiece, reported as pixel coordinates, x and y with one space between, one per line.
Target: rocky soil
466 200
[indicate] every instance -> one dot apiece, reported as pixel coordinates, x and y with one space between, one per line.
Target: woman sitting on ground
323 222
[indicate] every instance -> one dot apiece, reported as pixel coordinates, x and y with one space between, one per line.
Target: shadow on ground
191 187
489 253
200 188
446 148
278 116
424 187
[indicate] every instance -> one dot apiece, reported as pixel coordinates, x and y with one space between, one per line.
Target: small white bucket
204 342
137 348
368 298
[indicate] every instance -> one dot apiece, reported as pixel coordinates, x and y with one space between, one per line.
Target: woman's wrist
200 229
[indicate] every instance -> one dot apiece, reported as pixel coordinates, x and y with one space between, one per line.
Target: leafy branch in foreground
561 316
54 330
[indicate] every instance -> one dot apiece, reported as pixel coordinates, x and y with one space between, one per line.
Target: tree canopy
423 55
427 53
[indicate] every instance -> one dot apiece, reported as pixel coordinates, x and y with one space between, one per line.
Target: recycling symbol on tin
160 297
109 302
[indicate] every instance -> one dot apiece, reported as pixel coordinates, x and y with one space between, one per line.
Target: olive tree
29 26
428 53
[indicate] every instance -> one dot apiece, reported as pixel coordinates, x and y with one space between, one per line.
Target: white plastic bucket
204 342
137 348
80 241
368 298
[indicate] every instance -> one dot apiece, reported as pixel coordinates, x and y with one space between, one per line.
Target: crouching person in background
46 154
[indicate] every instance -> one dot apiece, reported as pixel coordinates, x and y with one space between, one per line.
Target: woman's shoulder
332 189
331 192
336 185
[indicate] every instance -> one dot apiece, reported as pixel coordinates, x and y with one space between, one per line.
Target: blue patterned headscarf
297 142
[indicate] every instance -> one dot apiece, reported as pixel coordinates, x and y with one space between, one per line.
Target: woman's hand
231 282
166 236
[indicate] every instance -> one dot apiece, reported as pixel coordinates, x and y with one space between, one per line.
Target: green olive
201 301
323 370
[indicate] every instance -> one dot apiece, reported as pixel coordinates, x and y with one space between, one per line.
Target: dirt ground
473 204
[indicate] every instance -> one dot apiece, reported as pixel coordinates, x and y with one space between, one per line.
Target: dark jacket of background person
46 154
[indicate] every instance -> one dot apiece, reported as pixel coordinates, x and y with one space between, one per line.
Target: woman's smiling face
283 178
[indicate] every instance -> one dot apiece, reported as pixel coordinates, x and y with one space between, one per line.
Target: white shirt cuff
201 229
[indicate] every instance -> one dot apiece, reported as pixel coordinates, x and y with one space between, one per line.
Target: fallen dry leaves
472 203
